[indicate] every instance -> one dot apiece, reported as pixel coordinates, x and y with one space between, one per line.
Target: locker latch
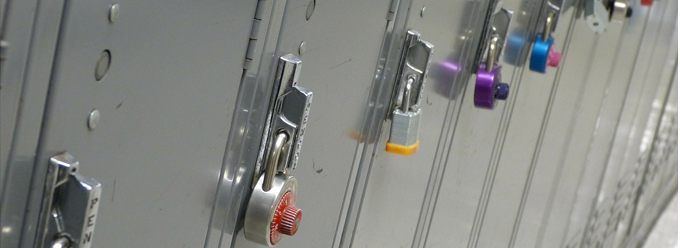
70 205
598 13
413 67
488 85
271 210
542 53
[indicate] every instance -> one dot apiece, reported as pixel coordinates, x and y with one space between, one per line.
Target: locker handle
271 211
410 81
70 204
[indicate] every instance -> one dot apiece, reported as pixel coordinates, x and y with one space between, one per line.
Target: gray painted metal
165 108
577 88
576 156
31 30
397 184
467 191
334 67
537 161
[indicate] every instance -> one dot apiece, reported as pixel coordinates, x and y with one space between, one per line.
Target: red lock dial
286 218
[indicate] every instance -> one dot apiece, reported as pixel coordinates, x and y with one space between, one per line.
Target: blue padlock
543 55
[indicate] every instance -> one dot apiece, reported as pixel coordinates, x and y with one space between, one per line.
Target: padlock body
405 127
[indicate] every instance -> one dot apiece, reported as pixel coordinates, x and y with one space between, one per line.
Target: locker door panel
459 212
391 213
25 75
584 111
471 138
525 132
165 109
342 42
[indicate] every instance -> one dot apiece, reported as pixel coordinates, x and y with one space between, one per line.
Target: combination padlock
414 65
542 53
488 85
271 211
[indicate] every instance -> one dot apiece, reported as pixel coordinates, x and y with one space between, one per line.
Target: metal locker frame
30 32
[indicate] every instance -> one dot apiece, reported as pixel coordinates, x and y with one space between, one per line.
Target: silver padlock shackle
548 26
273 159
493 52
406 102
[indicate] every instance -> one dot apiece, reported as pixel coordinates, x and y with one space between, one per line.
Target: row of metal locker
472 123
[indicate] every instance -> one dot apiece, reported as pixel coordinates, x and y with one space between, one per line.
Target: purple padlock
488 87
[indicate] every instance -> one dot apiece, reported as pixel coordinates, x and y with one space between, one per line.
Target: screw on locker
488 85
542 53
410 80
271 211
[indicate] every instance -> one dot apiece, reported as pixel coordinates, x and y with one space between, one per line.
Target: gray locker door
165 111
540 157
342 45
393 210
461 186
611 213
24 81
588 97
514 162
461 137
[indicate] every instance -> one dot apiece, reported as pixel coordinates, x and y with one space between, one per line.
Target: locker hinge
393 9
3 49
254 31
